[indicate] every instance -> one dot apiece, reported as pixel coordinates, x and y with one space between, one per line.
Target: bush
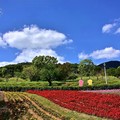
28 87
72 76
2 79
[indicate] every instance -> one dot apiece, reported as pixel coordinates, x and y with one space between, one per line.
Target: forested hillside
111 64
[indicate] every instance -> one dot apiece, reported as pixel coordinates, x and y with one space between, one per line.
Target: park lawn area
22 85
101 81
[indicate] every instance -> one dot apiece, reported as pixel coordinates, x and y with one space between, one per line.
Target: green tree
111 71
44 62
6 74
97 71
30 73
46 66
18 67
47 75
74 68
118 72
65 70
17 75
86 68
10 70
0 72
4 71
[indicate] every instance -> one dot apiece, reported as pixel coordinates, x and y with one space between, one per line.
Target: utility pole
105 73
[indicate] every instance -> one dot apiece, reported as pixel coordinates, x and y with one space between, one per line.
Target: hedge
24 88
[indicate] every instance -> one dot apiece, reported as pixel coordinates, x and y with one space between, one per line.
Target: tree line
47 68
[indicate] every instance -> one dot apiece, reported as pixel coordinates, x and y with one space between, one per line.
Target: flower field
26 106
113 91
102 105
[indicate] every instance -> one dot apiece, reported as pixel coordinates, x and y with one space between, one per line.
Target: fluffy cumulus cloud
82 55
107 53
29 54
33 41
33 37
113 27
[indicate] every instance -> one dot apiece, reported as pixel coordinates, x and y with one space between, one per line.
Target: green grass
101 81
22 85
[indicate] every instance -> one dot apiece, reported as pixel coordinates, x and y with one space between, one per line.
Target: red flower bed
103 105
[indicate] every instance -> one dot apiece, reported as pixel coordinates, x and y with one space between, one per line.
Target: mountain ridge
110 64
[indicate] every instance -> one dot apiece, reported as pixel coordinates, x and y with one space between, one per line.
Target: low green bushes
24 88
73 84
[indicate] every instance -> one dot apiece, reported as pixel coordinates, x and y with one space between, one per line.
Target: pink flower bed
103 105
105 91
113 91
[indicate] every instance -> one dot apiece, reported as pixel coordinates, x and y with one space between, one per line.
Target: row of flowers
113 91
103 105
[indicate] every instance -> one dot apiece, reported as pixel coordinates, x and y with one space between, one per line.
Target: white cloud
6 63
83 56
33 41
117 31
108 27
35 38
2 43
29 54
113 28
107 53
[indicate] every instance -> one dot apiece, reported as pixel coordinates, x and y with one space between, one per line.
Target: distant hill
18 64
111 64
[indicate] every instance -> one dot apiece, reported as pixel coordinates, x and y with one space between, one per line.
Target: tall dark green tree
65 70
46 66
86 68
6 74
74 68
97 71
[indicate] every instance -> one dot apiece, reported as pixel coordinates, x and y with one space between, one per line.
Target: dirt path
39 108
1 95
5 98
34 114
30 111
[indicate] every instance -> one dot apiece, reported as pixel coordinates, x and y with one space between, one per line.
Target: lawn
22 85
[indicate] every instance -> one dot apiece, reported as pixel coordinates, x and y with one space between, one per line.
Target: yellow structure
89 82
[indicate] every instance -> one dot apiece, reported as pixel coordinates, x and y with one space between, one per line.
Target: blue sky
70 30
